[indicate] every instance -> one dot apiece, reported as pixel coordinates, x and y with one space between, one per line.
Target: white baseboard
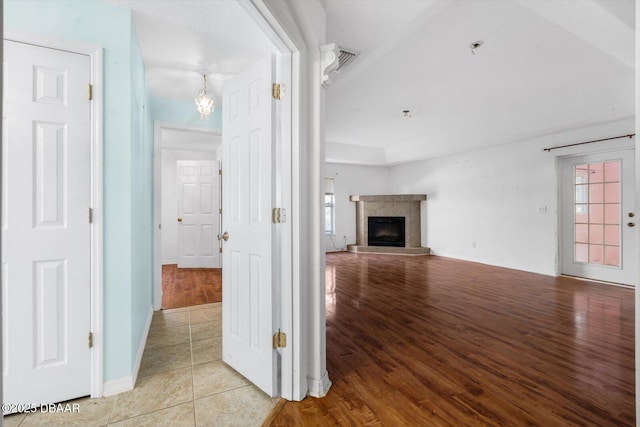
117 386
123 384
169 261
142 345
319 387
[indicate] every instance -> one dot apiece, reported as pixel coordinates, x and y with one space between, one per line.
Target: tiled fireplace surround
406 205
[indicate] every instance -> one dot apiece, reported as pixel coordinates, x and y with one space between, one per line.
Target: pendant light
204 103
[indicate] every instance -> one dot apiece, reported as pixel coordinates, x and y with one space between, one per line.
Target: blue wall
183 112
141 200
128 177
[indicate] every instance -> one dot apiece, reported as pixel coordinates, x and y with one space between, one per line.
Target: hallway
182 382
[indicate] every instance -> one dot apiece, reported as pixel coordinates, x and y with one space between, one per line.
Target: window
329 207
597 213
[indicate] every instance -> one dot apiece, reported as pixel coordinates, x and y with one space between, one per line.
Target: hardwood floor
182 287
432 341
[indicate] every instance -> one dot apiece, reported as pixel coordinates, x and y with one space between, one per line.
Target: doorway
598 217
190 206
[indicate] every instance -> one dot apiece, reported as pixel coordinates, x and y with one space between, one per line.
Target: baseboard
123 384
319 387
170 262
117 386
142 345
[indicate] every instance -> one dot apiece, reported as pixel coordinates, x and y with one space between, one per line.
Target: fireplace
398 224
386 231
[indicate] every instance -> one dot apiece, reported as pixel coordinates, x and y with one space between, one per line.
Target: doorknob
224 236
179 219
631 224
631 214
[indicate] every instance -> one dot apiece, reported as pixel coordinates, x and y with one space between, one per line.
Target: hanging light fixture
204 103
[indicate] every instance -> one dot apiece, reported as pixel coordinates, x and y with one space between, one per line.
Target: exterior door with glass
598 217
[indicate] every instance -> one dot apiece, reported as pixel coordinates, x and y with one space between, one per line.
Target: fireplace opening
386 231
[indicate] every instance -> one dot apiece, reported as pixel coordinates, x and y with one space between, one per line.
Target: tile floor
182 382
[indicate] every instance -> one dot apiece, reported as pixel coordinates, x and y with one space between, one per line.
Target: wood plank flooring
182 287
431 341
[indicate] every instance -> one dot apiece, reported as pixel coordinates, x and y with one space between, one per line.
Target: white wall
485 205
351 179
169 222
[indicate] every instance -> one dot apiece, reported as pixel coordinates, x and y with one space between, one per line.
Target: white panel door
247 194
45 225
598 217
198 216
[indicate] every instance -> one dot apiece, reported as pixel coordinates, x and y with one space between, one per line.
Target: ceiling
544 67
181 40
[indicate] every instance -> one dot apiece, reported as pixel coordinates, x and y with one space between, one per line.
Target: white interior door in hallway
247 198
599 221
198 216
45 222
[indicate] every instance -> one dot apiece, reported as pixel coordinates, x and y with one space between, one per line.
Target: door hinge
90 216
219 171
90 339
279 215
279 339
220 211
220 249
277 91
90 92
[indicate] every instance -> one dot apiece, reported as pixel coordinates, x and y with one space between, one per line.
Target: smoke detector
475 45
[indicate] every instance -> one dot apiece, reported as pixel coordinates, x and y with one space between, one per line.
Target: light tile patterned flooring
182 382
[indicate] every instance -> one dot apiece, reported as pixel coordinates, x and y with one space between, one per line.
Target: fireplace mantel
404 205
389 198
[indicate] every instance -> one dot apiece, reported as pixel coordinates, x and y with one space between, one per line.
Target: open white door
46 281
247 199
198 216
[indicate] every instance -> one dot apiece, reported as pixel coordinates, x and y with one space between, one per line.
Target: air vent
346 57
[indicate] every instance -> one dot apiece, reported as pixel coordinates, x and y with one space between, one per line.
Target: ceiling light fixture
204 103
475 45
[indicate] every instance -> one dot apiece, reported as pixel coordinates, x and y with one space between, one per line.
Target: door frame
603 147
297 30
565 161
158 126
96 228
289 317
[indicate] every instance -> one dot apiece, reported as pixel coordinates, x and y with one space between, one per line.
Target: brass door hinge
220 249
279 215
277 91
90 339
219 171
90 92
90 216
279 339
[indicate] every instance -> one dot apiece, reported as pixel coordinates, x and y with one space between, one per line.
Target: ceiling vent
345 58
